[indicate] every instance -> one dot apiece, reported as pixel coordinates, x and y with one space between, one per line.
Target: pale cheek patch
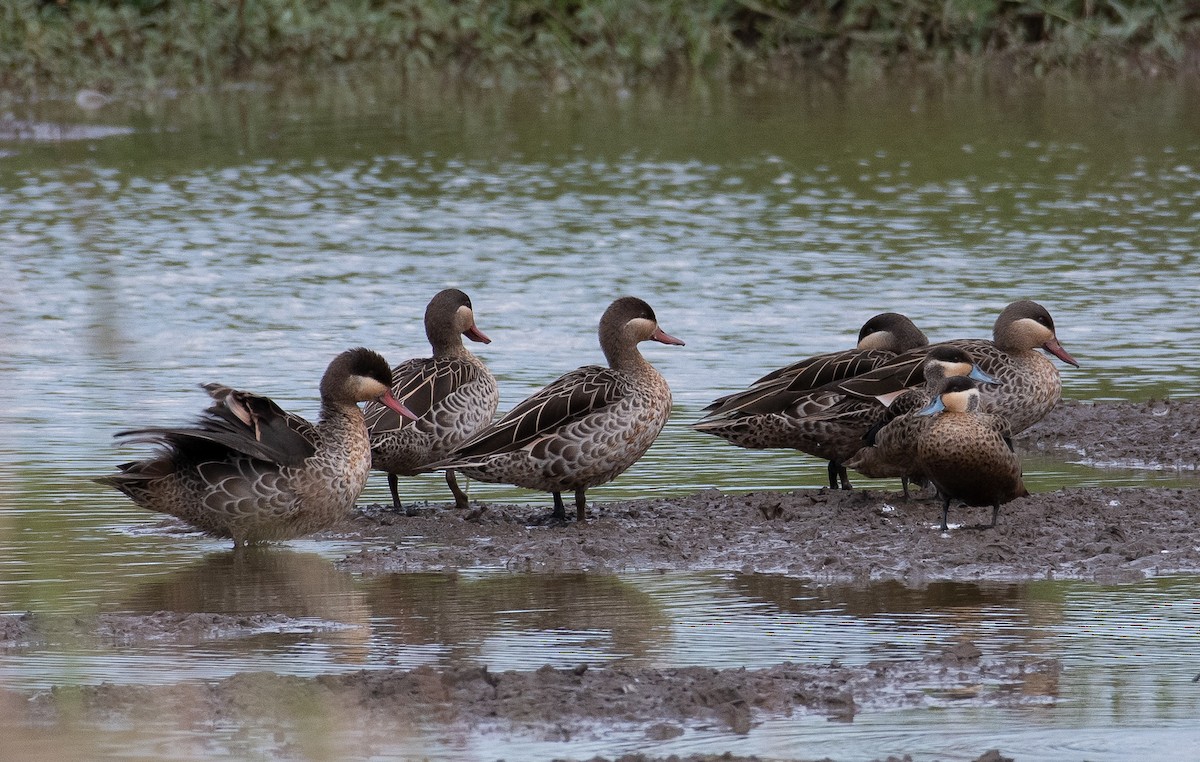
877 340
641 328
367 388
1037 333
960 402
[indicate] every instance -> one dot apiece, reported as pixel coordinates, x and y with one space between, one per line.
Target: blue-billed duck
891 444
967 453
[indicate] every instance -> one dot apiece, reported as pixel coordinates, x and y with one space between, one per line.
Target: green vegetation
120 43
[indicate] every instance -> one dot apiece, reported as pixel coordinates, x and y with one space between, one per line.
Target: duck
890 446
880 339
452 393
792 408
249 471
586 427
1027 384
967 453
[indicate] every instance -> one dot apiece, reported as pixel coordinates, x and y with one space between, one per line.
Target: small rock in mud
663 731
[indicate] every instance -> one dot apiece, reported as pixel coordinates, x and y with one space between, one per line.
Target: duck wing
420 384
577 394
906 370
779 388
238 421
824 369
903 372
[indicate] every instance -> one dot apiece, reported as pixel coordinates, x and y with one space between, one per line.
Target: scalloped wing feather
775 391
581 392
419 384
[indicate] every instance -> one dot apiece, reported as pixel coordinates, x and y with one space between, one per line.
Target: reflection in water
300 596
1016 618
1125 650
523 621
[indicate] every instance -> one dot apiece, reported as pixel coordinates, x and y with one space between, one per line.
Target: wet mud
562 704
1103 534
1110 535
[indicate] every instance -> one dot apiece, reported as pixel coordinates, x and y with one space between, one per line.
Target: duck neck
933 380
448 345
626 357
341 420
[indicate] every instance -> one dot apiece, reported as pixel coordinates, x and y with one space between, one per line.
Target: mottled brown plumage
585 428
452 393
967 453
1027 384
879 340
891 446
792 408
249 471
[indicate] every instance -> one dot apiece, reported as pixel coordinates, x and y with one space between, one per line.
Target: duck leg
460 497
995 514
580 505
945 511
394 486
560 510
904 486
838 475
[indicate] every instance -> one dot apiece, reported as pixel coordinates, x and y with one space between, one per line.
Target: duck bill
932 408
978 375
663 337
474 334
1056 349
395 404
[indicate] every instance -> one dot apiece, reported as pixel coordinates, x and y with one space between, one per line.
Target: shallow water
247 236
1127 652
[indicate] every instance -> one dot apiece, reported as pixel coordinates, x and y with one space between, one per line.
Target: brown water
247 236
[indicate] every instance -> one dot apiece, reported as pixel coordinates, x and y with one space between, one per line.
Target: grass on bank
116 43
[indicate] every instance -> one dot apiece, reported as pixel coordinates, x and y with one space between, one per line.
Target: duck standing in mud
452 393
967 453
587 427
891 445
792 408
249 471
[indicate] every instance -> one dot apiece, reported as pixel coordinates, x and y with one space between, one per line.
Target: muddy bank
1162 434
1109 534
562 705
1102 534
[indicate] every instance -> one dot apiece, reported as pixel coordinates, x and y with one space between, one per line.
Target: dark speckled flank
793 407
832 420
585 428
890 446
453 394
249 471
966 452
